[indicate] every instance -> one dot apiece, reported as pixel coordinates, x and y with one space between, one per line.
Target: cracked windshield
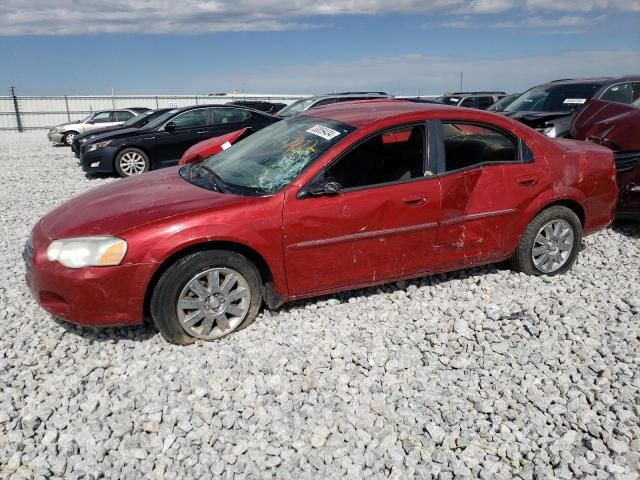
271 158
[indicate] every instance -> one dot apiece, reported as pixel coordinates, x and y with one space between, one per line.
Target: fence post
66 102
157 102
196 97
17 109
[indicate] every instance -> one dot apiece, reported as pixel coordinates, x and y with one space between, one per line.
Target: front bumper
55 137
98 296
97 161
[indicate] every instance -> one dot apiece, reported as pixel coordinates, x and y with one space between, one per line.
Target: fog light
95 164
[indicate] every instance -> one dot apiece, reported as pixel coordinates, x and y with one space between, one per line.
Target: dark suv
551 107
161 142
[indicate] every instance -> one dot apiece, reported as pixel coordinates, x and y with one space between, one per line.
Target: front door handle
201 132
635 189
415 200
528 181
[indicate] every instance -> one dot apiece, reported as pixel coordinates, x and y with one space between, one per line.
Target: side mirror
320 189
170 127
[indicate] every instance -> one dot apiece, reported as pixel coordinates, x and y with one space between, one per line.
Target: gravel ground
481 373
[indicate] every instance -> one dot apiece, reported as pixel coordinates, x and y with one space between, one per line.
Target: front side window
270 159
394 155
296 107
485 102
103 117
621 93
192 118
469 145
467 102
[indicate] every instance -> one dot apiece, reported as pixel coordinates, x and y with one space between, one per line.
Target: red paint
212 146
617 126
319 245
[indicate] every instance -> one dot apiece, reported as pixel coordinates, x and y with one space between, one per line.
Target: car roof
363 112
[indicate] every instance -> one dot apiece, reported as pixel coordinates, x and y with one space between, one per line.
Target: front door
382 224
191 127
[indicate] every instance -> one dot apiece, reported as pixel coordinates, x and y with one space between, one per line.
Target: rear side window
469 145
123 115
485 102
230 115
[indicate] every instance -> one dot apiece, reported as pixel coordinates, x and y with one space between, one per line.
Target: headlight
87 251
96 146
55 130
550 131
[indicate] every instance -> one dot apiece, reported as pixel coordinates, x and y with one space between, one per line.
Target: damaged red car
616 124
342 197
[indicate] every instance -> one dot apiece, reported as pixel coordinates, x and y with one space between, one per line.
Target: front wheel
550 243
206 295
68 138
131 161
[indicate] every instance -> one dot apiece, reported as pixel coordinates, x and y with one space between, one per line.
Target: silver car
66 132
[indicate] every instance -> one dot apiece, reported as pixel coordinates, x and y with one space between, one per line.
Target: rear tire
131 161
549 244
206 295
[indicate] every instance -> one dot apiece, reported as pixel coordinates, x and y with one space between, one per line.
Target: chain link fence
41 112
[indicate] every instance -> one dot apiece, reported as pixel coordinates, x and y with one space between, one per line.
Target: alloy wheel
213 303
553 246
132 163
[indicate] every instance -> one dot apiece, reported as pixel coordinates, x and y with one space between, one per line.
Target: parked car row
272 211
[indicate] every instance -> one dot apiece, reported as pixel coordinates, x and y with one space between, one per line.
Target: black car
162 141
263 106
550 108
134 122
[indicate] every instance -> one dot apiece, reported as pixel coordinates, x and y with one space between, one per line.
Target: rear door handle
635 189
528 181
415 200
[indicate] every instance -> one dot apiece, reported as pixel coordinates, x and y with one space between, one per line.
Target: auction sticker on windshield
324 132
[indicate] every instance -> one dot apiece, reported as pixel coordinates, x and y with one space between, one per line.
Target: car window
103 117
192 118
391 156
326 101
485 102
467 145
554 98
621 93
467 102
123 115
230 115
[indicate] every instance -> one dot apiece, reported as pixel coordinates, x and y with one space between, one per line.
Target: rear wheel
131 161
206 295
68 138
550 243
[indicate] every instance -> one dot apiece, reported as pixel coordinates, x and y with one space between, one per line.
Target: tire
68 137
130 162
183 312
548 234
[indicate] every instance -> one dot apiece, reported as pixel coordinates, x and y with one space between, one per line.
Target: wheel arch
573 205
270 296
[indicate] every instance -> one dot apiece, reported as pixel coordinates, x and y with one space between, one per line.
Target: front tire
131 161
206 295
550 243
68 138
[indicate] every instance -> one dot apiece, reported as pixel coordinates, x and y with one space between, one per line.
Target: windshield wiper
218 183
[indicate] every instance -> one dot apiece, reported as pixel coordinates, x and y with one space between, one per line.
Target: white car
65 132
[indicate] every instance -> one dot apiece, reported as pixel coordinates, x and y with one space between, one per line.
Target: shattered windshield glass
270 159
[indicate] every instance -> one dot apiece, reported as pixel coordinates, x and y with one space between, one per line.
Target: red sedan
342 197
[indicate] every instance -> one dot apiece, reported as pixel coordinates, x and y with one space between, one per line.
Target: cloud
63 17
429 74
548 24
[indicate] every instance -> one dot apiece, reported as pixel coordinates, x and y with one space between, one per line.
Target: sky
404 47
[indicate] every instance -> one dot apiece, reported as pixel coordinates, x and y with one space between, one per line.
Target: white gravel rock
481 373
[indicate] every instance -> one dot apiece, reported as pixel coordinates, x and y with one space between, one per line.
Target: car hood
130 203
536 119
120 133
615 125
95 133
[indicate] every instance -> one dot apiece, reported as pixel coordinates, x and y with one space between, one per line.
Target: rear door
488 177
